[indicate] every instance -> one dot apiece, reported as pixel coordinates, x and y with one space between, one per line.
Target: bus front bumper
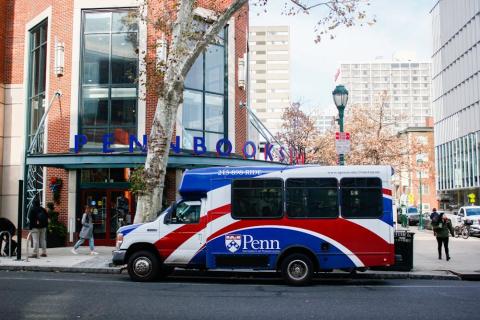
118 258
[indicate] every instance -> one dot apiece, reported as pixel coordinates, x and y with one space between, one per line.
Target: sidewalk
465 262
62 260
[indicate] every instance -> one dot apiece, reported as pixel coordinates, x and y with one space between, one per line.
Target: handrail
29 235
9 242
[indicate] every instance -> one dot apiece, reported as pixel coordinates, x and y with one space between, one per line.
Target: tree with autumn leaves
373 138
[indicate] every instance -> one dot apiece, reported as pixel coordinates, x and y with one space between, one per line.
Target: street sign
471 198
411 198
342 142
342 135
342 146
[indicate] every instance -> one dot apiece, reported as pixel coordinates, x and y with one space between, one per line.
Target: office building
456 99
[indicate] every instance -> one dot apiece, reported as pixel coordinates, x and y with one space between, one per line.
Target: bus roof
197 182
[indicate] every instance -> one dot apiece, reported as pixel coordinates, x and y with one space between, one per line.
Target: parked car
471 213
413 216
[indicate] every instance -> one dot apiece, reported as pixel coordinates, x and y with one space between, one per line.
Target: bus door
185 231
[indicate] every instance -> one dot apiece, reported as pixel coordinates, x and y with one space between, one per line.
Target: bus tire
297 269
143 266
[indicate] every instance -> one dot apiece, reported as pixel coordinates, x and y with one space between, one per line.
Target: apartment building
404 82
269 73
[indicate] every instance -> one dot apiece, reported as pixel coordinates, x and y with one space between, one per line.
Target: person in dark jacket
38 223
7 225
441 231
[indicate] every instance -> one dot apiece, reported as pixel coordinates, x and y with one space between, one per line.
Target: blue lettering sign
245 150
268 150
107 141
133 140
228 144
199 142
80 141
175 147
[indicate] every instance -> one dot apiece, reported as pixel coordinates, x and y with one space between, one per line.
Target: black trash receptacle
403 241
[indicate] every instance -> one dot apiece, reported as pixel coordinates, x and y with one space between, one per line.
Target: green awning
71 161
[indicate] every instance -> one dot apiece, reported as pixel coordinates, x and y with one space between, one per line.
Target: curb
62 269
468 276
230 275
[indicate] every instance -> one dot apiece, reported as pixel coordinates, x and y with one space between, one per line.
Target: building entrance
112 208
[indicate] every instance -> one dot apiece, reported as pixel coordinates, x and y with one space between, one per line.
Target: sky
402 25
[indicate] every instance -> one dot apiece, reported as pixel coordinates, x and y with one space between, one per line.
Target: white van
471 213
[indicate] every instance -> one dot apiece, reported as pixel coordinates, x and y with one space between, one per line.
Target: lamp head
340 96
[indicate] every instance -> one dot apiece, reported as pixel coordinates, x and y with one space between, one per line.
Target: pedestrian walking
38 223
434 216
86 232
441 231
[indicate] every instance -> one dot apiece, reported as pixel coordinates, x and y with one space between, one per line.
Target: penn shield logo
233 242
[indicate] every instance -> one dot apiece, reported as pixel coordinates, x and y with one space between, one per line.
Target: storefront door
112 209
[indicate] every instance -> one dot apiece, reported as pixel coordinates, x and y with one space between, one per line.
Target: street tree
297 129
374 138
187 35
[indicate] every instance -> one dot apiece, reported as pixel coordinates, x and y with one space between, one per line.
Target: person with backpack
38 223
441 231
86 232
434 217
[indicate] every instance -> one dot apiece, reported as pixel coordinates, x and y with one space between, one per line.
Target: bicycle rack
9 242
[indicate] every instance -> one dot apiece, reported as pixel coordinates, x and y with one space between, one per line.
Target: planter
55 241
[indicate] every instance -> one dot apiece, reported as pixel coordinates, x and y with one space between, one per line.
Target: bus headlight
119 240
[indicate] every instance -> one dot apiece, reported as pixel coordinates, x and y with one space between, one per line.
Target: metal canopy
70 161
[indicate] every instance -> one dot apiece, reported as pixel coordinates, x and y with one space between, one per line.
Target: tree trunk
150 202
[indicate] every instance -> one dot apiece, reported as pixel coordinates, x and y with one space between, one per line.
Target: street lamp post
340 97
420 220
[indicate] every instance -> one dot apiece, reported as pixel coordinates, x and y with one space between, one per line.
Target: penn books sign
223 148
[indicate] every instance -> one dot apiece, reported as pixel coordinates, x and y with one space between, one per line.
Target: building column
72 203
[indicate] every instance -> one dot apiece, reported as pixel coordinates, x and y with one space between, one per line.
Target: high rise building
405 82
270 73
324 118
456 99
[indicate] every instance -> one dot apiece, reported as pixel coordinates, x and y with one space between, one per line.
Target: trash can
403 241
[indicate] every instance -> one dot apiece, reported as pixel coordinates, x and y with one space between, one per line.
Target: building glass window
37 76
109 72
204 103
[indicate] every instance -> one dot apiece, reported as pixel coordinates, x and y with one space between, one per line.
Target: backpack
42 218
435 217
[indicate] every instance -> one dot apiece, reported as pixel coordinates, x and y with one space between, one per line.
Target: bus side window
312 197
361 197
257 198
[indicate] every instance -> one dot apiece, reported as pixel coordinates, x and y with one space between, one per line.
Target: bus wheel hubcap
142 266
297 269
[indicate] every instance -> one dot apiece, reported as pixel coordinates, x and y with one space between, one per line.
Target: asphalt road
35 295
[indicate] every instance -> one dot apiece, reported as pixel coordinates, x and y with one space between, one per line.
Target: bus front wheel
143 266
297 269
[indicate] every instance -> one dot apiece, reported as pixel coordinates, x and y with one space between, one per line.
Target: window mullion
109 117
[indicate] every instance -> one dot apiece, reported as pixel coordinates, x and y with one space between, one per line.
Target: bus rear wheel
297 269
143 266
